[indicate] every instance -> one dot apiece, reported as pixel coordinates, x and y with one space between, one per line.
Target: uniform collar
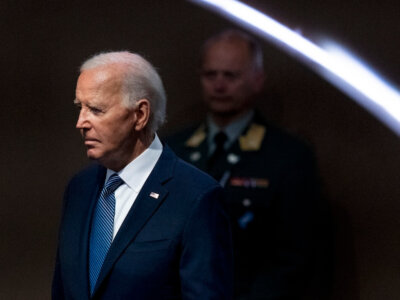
232 130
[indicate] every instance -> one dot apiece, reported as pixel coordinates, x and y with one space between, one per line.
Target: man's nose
220 83
83 122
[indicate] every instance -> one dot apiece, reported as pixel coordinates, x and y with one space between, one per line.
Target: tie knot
113 183
220 139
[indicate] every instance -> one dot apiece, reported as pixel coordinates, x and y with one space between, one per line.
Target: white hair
140 81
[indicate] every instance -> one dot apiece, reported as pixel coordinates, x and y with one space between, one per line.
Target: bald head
231 75
236 36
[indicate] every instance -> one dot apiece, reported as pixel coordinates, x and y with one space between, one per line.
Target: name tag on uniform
249 182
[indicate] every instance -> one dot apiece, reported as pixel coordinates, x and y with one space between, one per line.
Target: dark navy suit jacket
174 246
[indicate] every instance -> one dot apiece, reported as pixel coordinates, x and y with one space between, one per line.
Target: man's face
106 125
228 80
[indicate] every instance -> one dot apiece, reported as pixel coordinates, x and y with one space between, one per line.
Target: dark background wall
43 44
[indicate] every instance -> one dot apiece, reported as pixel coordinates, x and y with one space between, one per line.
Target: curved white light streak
337 66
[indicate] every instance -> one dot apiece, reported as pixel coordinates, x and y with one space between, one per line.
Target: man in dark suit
269 176
140 224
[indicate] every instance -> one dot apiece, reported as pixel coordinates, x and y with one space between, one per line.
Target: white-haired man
140 223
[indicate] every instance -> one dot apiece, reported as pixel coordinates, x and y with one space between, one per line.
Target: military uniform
270 183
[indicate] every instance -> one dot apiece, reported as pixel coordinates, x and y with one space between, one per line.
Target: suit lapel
149 199
77 245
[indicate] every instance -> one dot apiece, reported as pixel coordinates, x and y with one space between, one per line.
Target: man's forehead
226 64
100 78
97 75
227 55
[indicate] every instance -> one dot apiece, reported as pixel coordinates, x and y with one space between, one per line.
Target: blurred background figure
269 176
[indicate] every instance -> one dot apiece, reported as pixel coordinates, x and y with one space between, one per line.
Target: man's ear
142 114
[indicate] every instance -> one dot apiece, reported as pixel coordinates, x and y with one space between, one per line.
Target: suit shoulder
284 150
286 142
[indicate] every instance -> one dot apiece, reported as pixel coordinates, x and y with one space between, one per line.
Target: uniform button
232 158
195 156
246 202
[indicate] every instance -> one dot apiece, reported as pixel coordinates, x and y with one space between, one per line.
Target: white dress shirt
134 176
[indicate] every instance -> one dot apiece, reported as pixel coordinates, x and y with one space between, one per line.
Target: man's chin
223 112
92 154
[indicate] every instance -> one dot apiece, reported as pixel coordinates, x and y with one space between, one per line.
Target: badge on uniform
249 182
195 156
232 158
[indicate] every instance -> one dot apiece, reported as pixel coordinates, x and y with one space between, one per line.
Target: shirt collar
232 130
136 172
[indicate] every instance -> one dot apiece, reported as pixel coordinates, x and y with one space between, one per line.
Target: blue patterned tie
102 228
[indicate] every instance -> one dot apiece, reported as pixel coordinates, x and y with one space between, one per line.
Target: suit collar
233 130
250 138
136 172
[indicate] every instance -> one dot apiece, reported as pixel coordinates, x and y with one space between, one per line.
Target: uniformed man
268 175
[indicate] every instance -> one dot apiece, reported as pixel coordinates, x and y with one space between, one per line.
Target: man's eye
209 74
231 75
95 110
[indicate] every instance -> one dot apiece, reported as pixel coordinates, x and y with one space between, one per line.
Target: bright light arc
331 61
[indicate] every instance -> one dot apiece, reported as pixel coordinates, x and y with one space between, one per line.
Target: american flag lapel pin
154 195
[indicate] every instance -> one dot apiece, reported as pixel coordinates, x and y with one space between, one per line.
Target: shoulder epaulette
252 140
197 137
